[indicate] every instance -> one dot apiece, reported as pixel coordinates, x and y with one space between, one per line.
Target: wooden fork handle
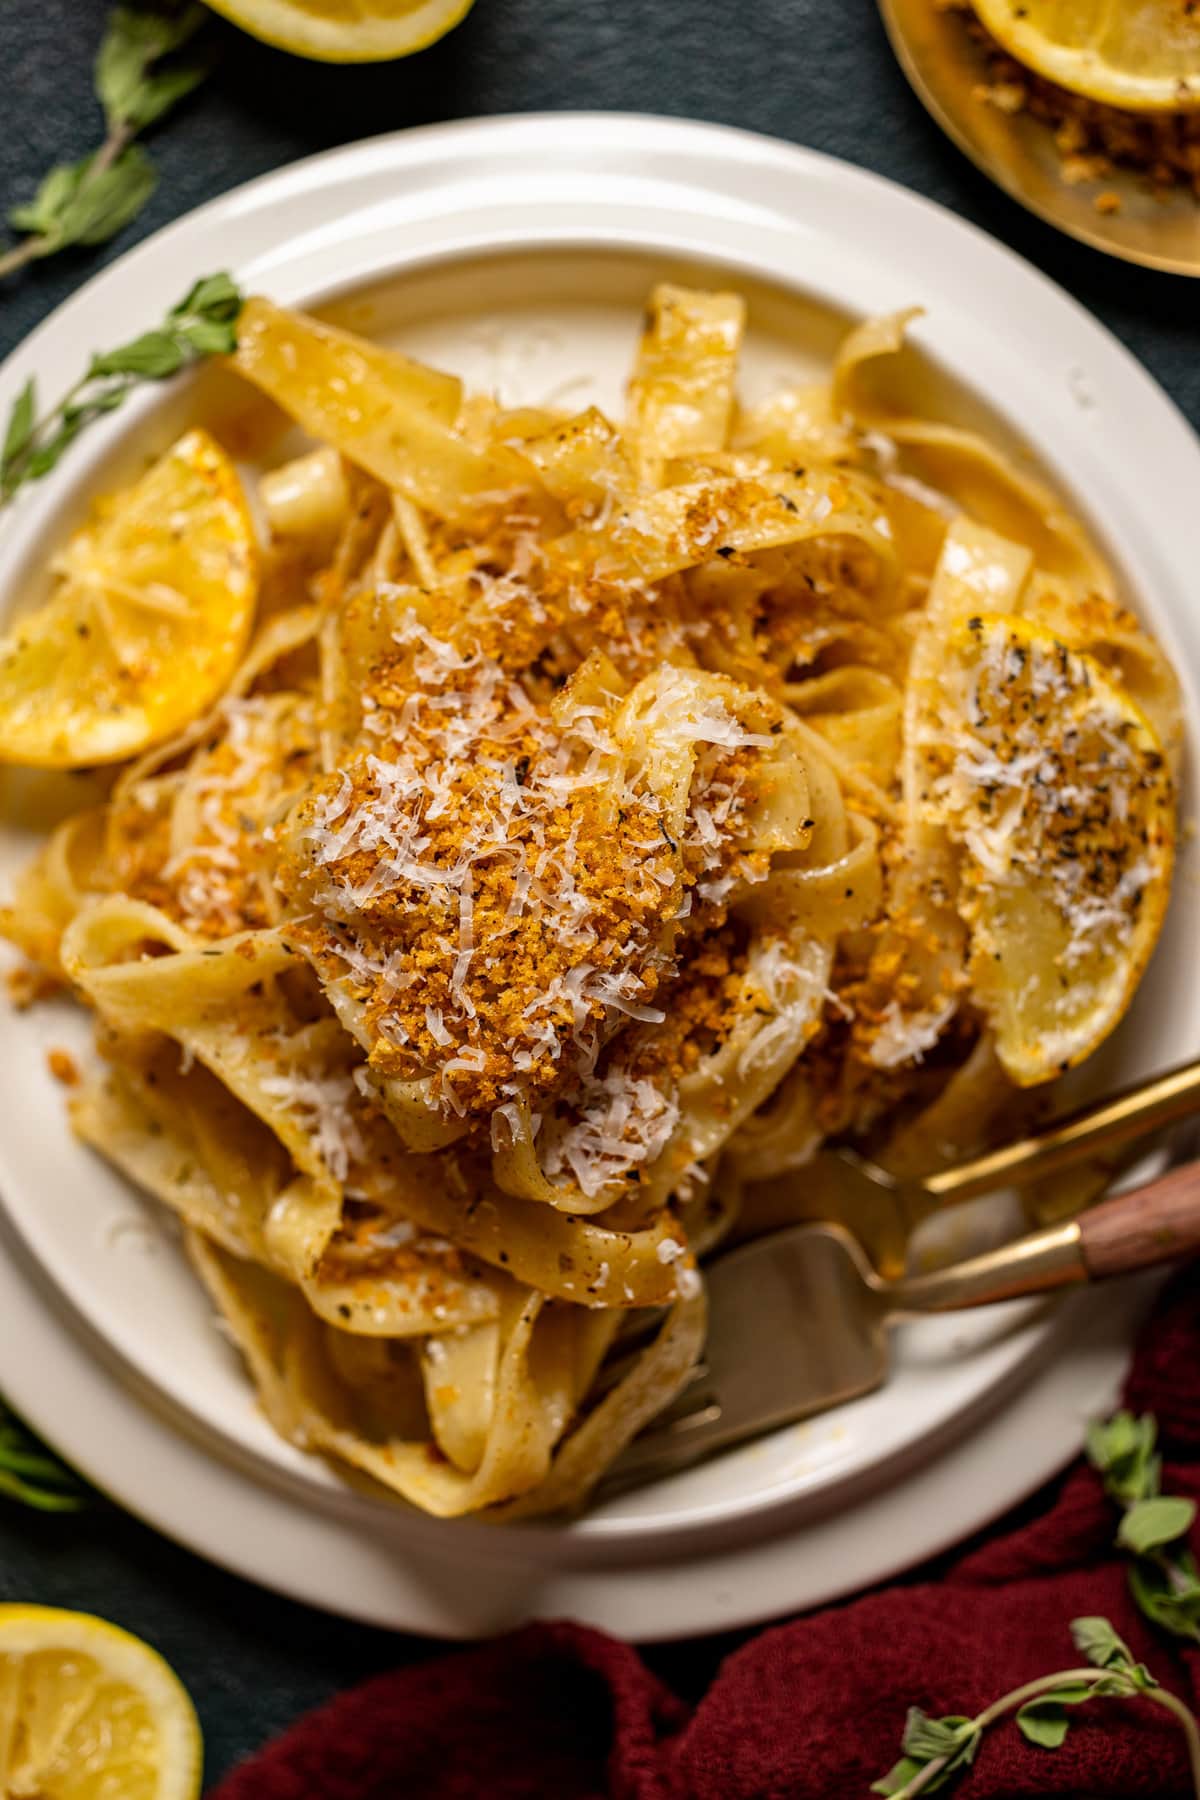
1152 1224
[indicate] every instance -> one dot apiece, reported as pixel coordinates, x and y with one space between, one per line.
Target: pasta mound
604 816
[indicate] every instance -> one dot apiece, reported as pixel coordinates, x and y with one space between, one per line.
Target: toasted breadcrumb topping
499 886
1092 139
63 1067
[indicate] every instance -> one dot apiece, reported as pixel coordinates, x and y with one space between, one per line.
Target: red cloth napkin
811 1710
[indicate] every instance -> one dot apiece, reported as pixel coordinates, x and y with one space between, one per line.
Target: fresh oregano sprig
204 323
1163 1575
152 54
29 1473
938 1750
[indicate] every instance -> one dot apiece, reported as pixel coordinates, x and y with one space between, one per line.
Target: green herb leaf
75 206
1072 1693
40 1498
131 89
1045 1723
203 324
1170 1600
208 337
46 457
42 214
951 1741
104 204
1122 1450
1150 1524
161 91
898 1777
1097 1640
926 1738
141 71
206 318
20 426
1110 1441
30 1474
214 296
154 355
936 1749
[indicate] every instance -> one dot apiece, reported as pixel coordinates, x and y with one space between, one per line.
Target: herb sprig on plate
150 57
204 323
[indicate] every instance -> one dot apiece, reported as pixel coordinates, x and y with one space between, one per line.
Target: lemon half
147 622
88 1712
338 31
1143 55
1054 788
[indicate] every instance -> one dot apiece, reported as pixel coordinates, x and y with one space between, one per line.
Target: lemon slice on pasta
147 621
1143 55
1055 789
88 1712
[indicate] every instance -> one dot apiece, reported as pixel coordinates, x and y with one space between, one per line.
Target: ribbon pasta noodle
602 816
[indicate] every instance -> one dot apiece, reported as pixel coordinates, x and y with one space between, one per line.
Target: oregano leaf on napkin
1163 1577
1121 1449
1167 1591
1096 1639
925 1737
1045 1722
937 1750
1152 1524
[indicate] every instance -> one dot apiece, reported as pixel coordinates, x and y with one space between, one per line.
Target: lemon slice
146 624
1143 55
88 1712
332 31
1055 789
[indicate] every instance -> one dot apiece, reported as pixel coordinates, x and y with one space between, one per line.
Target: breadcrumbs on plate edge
1093 140
63 1067
27 985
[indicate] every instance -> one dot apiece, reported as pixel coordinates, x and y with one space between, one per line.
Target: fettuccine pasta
603 816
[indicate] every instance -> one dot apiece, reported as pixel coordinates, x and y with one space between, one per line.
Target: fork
884 1209
799 1320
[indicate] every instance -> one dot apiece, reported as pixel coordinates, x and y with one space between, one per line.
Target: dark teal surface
817 72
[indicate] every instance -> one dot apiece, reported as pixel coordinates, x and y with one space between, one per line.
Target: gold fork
798 1320
883 1209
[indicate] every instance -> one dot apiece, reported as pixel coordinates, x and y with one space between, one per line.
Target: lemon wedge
88 1712
1055 790
331 31
148 619
1143 55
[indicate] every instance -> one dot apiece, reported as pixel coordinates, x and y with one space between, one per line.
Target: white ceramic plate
518 253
